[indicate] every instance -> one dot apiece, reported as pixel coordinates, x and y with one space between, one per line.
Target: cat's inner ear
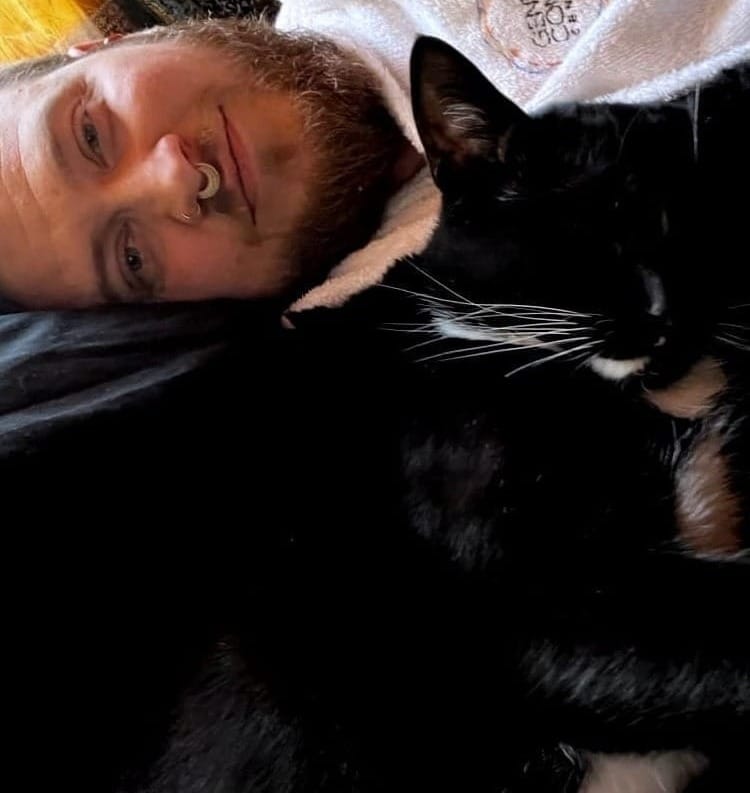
459 114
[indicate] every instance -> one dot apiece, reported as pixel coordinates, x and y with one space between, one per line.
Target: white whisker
529 309
438 337
539 320
588 345
730 335
498 346
400 325
734 343
441 284
523 330
532 316
473 352
479 354
478 313
416 328
514 328
424 296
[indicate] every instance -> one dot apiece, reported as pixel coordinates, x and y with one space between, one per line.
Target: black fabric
124 16
229 8
58 369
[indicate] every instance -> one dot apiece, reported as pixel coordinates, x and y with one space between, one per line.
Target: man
212 160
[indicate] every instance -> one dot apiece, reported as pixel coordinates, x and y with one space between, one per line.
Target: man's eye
91 136
133 259
91 140
134 268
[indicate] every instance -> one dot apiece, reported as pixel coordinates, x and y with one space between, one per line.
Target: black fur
623 221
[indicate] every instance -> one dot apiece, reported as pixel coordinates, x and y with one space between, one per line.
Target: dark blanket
62 369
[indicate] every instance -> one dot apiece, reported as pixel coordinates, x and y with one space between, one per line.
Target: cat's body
592 244
487 650
560 489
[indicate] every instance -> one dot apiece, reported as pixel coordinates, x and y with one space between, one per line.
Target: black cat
590 244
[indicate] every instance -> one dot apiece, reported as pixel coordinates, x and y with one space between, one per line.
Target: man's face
99 181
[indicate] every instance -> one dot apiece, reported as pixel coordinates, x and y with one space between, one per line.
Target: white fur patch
667 772
452 328
616 369
462 117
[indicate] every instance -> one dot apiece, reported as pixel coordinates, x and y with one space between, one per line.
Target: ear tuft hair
460 115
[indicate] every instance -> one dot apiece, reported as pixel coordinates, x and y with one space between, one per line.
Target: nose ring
213 180
188 217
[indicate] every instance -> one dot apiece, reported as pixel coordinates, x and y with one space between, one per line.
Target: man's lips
242 166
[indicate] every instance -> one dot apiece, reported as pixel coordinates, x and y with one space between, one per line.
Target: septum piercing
213 181
193 215
211 188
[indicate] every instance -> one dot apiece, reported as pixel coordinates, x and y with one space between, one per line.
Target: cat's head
583 231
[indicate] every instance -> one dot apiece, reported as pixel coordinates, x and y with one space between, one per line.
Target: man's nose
172 180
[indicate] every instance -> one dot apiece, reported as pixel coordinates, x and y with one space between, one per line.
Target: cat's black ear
461 117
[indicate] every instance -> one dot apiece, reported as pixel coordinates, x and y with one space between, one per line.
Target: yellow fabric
35 27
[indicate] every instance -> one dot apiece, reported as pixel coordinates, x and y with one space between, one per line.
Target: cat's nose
656 320
653 288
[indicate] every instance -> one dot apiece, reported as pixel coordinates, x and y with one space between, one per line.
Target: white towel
537 52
